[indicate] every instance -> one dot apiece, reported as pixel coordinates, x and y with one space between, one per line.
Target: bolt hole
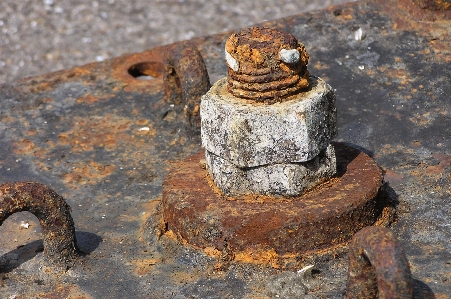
337 12
146 70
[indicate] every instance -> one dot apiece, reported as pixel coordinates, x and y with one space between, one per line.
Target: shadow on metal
86 242
422 290
13 259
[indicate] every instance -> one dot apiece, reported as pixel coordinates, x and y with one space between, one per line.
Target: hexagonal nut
250 134
285 179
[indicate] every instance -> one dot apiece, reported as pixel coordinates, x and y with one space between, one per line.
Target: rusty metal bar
53 212
378 267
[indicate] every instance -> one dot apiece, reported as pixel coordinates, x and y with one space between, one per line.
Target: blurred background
41 36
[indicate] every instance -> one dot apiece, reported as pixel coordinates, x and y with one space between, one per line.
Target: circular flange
324 217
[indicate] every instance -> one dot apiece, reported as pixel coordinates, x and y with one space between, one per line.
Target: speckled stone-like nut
249 134
287 179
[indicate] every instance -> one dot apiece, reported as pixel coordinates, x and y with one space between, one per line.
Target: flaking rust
325 217
378 266
392 90
266 65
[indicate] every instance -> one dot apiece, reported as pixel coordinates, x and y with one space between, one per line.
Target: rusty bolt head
266 65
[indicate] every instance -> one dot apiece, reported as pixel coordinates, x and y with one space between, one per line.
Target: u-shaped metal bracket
185 78
53 213
378 267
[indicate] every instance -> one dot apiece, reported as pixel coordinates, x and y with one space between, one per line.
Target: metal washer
324 217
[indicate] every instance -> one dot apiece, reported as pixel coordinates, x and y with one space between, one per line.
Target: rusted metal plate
104 140
325 217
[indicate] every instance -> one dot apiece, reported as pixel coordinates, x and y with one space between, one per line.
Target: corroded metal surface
105 141
378 267
327 216
259 73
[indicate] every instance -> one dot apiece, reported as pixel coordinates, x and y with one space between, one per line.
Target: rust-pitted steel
434 4
53 212
185 78
378 267
324 217
103 137
266 65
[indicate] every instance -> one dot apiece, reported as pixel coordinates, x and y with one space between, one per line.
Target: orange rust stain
48 81
423 119
90 98
211 251
392 176
345 13
387 217
388 149
185 277
440 46
425 52
259 256
66 292
178 140
32 132
144 266
149 209
445 161
87 134
142 122
351 186
47 100
320 66
24 147
434 171
87 173
430 24
370 72
400 75
172 236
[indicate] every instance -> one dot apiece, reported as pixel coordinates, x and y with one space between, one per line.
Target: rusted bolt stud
265 65
267 127
54 216
378 267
